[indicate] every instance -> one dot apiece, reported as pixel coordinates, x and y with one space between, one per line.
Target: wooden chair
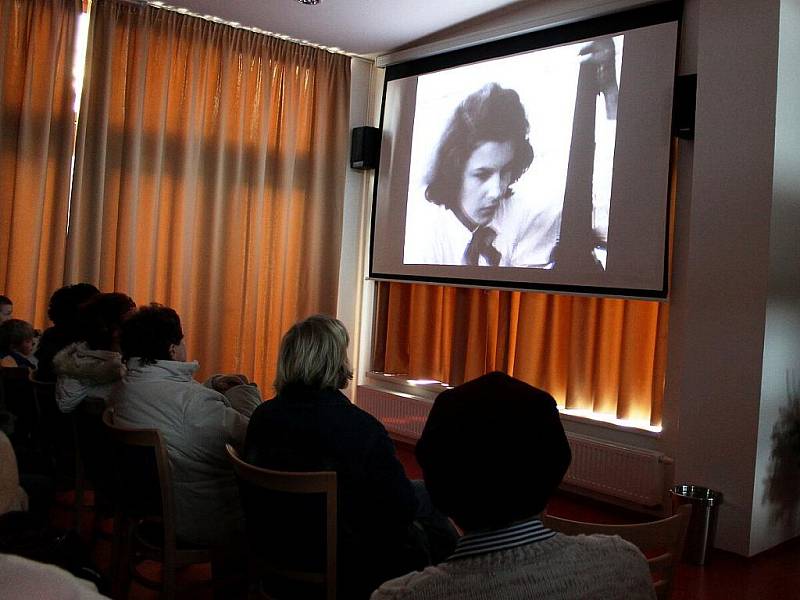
321 483
18 400
57 435
144 520
660 541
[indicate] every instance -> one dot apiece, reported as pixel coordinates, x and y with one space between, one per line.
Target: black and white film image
511 160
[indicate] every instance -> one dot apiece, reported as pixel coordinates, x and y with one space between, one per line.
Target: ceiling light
309 2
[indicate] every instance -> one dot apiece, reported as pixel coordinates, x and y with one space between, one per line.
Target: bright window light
610 418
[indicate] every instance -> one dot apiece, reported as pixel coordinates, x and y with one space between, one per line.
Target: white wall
776 500
351 280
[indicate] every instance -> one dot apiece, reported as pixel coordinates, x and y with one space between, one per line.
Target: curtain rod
237 25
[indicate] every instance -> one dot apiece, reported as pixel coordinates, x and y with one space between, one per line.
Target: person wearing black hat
492 453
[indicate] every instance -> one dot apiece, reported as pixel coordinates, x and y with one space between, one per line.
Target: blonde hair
314 353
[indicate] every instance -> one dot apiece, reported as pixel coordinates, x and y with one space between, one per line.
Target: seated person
159 392
243 395
6 308
16 344
90 367
311 426
492 453
25 578
63 312
12 496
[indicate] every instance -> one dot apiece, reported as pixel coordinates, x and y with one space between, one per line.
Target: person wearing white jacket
159 391
89 368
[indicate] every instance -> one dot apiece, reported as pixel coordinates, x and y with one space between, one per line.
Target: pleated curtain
596 354
209 177
37 133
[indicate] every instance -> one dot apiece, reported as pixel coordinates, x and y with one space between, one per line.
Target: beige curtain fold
209 176
37 132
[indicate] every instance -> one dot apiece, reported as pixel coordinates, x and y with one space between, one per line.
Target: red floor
772 575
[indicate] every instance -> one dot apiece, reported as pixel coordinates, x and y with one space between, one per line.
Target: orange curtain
209 176
598 354
37 132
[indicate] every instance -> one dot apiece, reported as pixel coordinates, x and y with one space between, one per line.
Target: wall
734 297
776 499
354 298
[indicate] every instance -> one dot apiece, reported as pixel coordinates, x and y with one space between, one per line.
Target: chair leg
117 556
168 570
122 578
79 493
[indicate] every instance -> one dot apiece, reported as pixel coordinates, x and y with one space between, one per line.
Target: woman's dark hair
491 114
12 333
64 303
5 300
149 332
101 317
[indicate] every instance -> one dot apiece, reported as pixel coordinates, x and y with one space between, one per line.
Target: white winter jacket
84 373
195 422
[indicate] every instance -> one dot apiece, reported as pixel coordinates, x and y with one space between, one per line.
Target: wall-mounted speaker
365 148
683 106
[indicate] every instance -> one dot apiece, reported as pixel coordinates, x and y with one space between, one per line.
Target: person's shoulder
604 551
263 410
208 397
603 543
417 585
361 416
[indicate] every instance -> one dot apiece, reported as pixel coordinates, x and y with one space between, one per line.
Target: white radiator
401 414
633 475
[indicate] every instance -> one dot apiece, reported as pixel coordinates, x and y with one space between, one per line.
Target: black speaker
683 106
365 147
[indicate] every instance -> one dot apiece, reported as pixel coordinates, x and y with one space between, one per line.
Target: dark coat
309 430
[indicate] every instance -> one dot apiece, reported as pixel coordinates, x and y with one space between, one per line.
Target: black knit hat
493 451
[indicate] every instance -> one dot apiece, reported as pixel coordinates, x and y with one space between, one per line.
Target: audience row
492 453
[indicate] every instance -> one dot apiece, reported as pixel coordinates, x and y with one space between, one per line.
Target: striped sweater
528 561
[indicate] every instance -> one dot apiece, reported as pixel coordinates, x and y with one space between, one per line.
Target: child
16 344
6 308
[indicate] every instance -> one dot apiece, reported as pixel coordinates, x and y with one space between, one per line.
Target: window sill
427 390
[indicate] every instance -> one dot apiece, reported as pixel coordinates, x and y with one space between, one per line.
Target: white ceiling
364 27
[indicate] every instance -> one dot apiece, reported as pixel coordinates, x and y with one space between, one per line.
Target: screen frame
665 12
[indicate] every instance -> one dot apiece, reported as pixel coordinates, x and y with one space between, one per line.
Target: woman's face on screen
487 175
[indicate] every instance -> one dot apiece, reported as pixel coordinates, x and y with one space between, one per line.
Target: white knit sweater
562 567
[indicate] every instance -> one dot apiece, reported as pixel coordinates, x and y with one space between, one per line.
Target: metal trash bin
703 523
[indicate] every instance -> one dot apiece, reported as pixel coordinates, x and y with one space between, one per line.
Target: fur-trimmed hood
78 361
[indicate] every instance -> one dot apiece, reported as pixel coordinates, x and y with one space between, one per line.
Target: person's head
483 151
100 319
492 452
153 333
16 335
65 301
314 353
6 308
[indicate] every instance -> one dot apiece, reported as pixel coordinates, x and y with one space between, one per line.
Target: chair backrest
143 476
660 541
44 394
321 483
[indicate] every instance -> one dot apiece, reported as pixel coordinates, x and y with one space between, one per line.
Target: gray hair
314 353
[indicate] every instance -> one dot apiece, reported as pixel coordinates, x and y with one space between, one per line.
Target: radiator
402 414
632 475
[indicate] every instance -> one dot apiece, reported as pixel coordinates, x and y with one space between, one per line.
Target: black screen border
655 14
